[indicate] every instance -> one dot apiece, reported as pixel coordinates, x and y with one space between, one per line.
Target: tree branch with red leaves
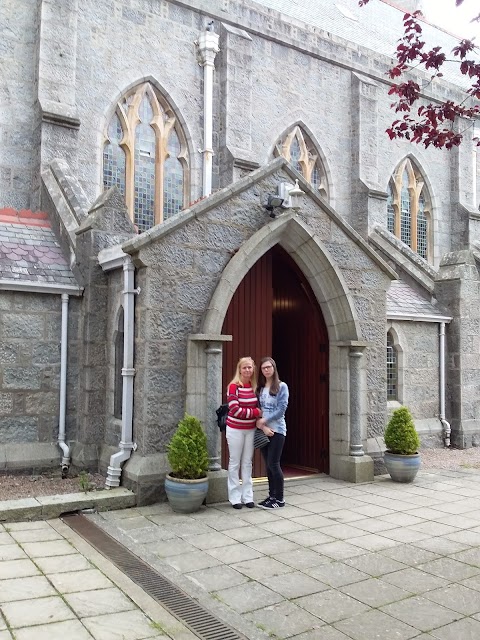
432 123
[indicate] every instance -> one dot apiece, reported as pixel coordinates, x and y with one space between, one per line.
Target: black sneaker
249 505
268 503
273 504
264 502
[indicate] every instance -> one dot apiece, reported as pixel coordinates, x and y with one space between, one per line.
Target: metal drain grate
200 621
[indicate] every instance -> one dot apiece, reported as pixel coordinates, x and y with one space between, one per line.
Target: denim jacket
274 407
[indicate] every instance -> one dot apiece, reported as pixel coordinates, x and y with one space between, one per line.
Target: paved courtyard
339 562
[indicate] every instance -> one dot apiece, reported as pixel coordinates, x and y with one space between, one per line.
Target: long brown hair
237 376
262 381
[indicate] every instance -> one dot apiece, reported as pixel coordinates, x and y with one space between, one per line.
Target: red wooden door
249 321
274 312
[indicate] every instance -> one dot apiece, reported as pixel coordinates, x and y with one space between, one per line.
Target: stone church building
184 183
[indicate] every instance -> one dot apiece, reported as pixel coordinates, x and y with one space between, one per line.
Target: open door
274 312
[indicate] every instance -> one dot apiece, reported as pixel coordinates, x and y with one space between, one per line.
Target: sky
454 19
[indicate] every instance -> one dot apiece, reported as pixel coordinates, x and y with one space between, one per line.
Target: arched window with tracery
145 155
409 210
392 368
299 150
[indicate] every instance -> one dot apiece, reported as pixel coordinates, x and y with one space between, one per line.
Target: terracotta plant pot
402 468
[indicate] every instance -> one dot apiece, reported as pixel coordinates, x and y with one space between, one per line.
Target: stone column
356 446
213 400
207 49
348 460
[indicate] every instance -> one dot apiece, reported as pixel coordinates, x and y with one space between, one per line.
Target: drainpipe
445 425
63 388
126 445
207 49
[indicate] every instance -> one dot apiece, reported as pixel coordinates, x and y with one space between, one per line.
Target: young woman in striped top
243 412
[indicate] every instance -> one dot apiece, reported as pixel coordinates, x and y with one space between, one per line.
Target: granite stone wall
30 329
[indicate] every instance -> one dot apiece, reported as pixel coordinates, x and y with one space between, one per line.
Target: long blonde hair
237 376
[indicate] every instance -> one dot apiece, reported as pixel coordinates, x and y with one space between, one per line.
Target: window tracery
145 155
300 151
409 209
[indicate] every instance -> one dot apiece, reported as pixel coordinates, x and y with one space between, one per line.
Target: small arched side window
299 150
145 155
392 368
409 210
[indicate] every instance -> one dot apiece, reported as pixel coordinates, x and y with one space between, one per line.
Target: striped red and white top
243 409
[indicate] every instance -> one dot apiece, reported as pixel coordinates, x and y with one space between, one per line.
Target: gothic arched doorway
274 312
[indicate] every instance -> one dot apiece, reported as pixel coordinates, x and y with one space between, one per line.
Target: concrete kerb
47 507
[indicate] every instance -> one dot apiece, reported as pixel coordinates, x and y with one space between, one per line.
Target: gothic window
118 382
299 150
145 156
392 368
409 209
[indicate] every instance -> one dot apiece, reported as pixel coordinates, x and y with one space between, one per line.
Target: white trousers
240 448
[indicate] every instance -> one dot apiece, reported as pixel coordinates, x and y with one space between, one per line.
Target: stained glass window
392 369
114 157
173 179
409 209
295 155
299 150
422 228
390 211
405 216
145 155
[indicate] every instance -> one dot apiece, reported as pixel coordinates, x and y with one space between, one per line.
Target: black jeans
272 454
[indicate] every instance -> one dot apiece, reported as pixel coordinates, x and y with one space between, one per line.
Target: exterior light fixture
273 202
291 194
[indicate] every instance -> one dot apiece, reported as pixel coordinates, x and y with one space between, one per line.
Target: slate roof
376 26
404 301
29 251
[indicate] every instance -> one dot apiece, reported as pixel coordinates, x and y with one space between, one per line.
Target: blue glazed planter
402 468
186 496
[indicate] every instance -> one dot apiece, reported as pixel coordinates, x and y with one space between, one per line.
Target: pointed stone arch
149 155
313 259
410 206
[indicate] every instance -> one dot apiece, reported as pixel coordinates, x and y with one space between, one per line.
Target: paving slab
339 562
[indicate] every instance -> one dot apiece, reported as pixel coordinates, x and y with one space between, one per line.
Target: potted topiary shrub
401 439
186 485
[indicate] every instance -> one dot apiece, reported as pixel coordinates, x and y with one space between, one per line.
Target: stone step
48 507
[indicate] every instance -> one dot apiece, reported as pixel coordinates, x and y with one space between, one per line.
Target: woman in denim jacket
273 398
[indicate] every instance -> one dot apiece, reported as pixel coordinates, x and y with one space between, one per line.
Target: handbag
260 440
222 413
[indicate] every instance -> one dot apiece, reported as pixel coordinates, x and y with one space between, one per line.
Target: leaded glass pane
173 179
392 369
390 211
406 216
316 178
295 155
114 157
144 168
422 228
